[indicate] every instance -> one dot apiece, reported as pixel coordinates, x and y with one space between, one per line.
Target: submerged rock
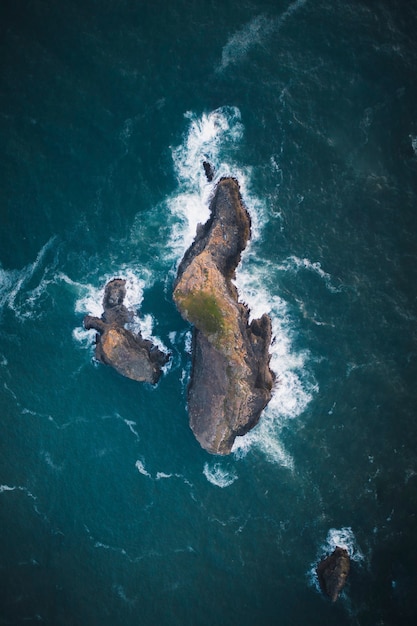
231 382
333 571
127 352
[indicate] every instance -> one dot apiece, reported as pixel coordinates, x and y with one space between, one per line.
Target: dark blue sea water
110 511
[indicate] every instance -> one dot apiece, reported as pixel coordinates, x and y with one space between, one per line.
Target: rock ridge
231 381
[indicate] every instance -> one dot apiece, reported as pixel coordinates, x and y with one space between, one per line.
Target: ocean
110 511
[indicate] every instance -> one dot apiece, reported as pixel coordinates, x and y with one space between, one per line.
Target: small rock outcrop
208 170
333 571
127 352
231 382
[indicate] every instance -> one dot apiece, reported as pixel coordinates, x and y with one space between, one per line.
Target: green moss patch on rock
202 309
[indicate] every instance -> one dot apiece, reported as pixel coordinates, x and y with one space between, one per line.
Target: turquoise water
110 511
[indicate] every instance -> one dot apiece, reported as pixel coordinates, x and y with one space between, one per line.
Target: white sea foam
131 425
49 461
89 301
239 44
294 263
213 137
219 475
293 7
141 468
90 297
4 488
22 290
188 342
254 33
414 143
294 385
343 538
122 595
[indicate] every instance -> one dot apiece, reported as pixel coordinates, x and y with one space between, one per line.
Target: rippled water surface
110 511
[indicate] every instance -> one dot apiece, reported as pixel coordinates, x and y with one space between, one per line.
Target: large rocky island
231 381
129 353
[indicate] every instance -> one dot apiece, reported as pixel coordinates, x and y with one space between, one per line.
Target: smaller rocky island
129 354
333 571
231 381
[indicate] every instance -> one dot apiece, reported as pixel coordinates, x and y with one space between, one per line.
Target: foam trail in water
219 475
141 469
4 488
140 466
119 590
239 44
294 263
414 143
294 6
162 475
254 33
22 290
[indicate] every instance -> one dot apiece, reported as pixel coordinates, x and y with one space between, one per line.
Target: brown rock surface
127 352
333 571
231 381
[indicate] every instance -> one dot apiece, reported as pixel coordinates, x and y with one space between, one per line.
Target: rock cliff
231 381
127 352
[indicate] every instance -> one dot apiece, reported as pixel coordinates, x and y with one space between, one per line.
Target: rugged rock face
128 353
333 571
231 381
